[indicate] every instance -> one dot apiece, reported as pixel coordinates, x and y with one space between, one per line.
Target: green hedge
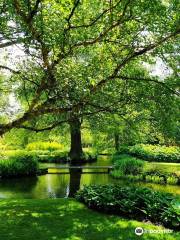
133 202
57 156
53 157
49 146
154 153
19 165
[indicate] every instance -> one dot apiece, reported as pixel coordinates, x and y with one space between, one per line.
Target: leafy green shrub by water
19 165
125 165
133 202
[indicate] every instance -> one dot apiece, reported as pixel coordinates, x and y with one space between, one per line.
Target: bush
162 177
132 202
125 165
53 157
133 169
155 152
19 165
50 146
10 153
56 156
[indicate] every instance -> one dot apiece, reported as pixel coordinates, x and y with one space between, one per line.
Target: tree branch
95 20
76 3
132 56
149 80
7 44
106 31
54 125
9 69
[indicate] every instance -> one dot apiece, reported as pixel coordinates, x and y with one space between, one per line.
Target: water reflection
74 182
16 187
58 185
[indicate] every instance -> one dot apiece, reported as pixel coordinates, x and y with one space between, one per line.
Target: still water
65 185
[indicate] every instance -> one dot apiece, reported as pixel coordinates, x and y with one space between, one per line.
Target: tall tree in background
82 57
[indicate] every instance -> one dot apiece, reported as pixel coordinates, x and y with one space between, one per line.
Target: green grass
66 219
166 167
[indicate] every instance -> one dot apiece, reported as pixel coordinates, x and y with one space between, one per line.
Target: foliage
50 146
125 165
3 147
23 164
155 152
5 154
161 178
49 156
92 62
53 156
172 215
132 202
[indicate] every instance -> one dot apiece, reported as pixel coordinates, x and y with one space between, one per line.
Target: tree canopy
81 58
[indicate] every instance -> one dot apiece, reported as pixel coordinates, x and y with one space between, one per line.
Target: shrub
3 147
50 146
136 172
171 215
57 156
125 165
53 157
9 153
132 202
155 152
19 165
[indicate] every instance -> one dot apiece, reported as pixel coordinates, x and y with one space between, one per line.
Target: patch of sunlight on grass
66 219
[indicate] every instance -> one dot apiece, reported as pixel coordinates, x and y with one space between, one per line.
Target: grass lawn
162 166
55 219
166 167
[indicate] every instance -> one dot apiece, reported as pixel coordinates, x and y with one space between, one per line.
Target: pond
57 185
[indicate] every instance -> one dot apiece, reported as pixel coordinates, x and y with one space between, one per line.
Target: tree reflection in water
74 181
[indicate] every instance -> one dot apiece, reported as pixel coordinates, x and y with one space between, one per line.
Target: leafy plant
50 146
132 202
155 152
19 165
125 165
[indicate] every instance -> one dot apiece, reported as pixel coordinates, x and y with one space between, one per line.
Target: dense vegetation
154 153
82 78
44 146
127 165
133 169
95 69
18 165
52 152
132 202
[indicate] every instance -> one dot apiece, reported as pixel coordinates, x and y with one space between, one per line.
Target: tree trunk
76 151
116 140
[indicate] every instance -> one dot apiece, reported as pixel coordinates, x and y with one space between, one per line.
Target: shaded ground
66 219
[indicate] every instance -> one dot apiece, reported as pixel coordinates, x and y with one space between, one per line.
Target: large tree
86 56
